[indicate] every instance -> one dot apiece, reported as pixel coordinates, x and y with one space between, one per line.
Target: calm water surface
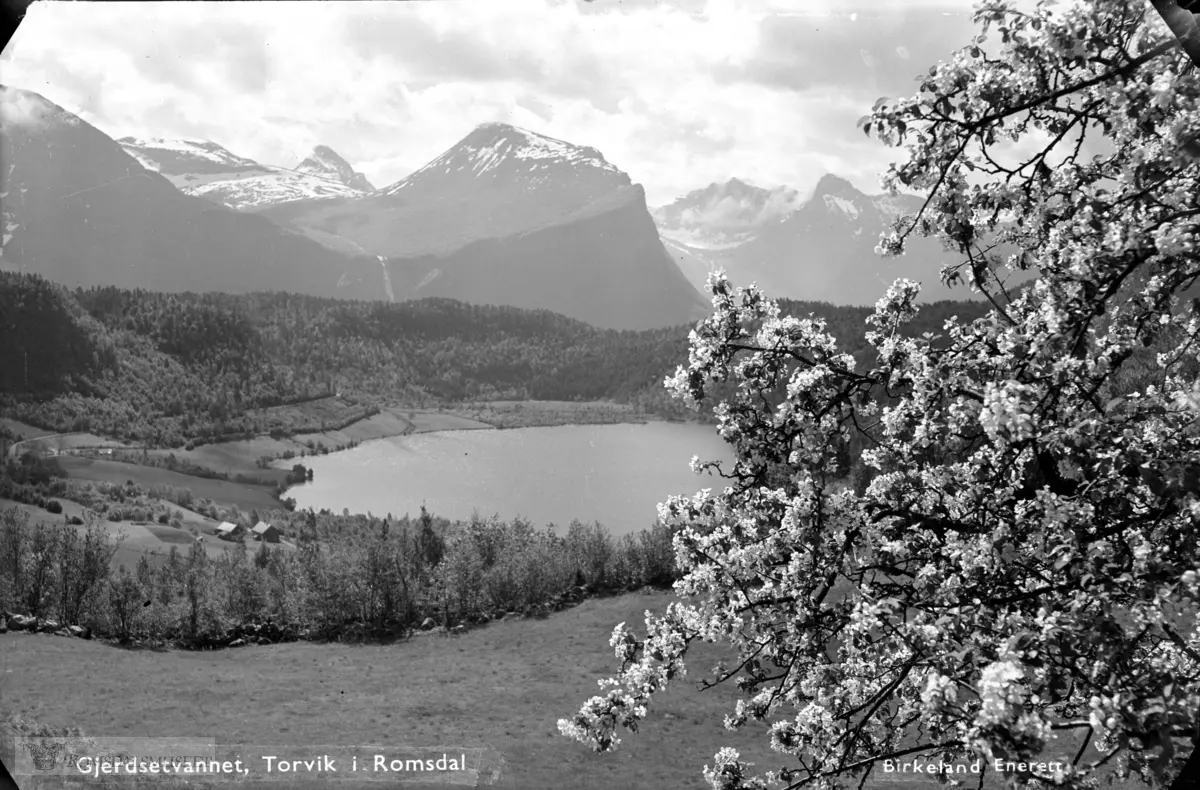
614 474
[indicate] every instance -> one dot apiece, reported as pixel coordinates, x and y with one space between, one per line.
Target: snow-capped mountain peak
209 170
823 250
500 153
184 154
719 216
830 184
324 162
840 198
845 206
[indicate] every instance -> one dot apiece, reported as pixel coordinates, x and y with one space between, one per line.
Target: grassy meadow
245 496
502 686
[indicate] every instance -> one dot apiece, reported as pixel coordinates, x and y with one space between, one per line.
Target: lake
614 474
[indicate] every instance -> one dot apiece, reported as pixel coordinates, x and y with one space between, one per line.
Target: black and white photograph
600 394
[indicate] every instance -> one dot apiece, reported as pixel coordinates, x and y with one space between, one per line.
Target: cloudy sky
678 93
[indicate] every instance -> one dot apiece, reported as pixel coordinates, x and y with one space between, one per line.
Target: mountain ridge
724 215
327 163
206 169
80 210
822 250
483 210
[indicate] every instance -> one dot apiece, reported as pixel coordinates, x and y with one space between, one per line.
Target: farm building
266 532
228 531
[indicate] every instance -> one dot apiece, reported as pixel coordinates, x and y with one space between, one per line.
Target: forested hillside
166 368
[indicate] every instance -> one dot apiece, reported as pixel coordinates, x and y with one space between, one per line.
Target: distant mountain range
819 249
80 210
508 216
206 169
505 216
721 216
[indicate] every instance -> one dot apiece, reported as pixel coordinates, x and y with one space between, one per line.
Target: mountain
325 163
208 170
823 250
724 215
508 216
187 159
80 210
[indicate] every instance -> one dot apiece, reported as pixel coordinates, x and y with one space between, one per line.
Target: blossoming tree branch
1016 576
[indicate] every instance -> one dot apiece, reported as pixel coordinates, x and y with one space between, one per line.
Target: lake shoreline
263 463
616 474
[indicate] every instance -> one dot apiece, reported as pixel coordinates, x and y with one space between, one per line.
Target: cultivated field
246 497
23 430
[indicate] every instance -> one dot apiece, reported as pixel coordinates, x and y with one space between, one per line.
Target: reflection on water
614 474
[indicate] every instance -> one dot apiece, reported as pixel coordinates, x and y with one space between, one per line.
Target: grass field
33 438
23 430
246 497
502 686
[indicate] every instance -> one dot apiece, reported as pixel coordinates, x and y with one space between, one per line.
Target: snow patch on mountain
324 162
206 169
182 148
491 148
486 158
143 160
722 216
9 227
847 207
281 186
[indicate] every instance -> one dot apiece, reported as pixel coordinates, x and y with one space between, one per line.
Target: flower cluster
1025 527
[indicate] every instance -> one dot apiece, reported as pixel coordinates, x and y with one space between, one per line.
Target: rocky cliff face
605 266
508 216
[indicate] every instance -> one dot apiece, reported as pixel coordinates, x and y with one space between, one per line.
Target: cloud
678 94
17 109
732 215
864 52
